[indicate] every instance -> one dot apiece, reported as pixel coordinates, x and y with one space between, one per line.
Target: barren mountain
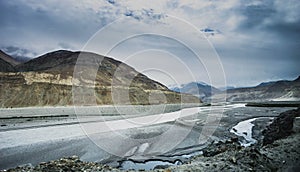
6 63
53 78
269 91
8 58
5 66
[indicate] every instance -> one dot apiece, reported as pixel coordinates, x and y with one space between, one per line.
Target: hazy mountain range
48 80
199 89
282 90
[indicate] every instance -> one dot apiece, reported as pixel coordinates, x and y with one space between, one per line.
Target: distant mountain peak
199 89
203 83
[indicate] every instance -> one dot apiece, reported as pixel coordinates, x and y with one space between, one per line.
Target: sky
221 42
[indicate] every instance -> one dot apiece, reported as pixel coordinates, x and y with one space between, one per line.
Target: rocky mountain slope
5 66
7 63
8 59
270 91
198 89
51 79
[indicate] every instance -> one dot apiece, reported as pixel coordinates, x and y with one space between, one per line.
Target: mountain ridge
50 80
281 90
5 66
9 59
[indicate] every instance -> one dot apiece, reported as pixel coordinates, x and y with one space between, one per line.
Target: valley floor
34 140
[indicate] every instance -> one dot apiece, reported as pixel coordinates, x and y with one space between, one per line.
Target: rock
233 160
215 149
281 127
42 163
161 167
235 139
74 157
28 165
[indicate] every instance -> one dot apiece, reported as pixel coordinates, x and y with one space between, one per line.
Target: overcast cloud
256 40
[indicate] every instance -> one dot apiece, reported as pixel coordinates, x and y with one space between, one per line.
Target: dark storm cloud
256 40
20 54
12 49
23 25
269 17
256 14
36 20
270 47
289 31
53 24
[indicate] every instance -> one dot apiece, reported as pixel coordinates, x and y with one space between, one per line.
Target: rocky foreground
272 155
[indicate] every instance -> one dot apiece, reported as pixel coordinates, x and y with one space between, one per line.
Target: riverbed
32 141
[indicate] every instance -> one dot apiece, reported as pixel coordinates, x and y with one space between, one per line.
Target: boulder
281 127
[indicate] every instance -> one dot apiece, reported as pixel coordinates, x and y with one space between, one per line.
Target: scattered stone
161 166
215 149
234 139
233 160
64 164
